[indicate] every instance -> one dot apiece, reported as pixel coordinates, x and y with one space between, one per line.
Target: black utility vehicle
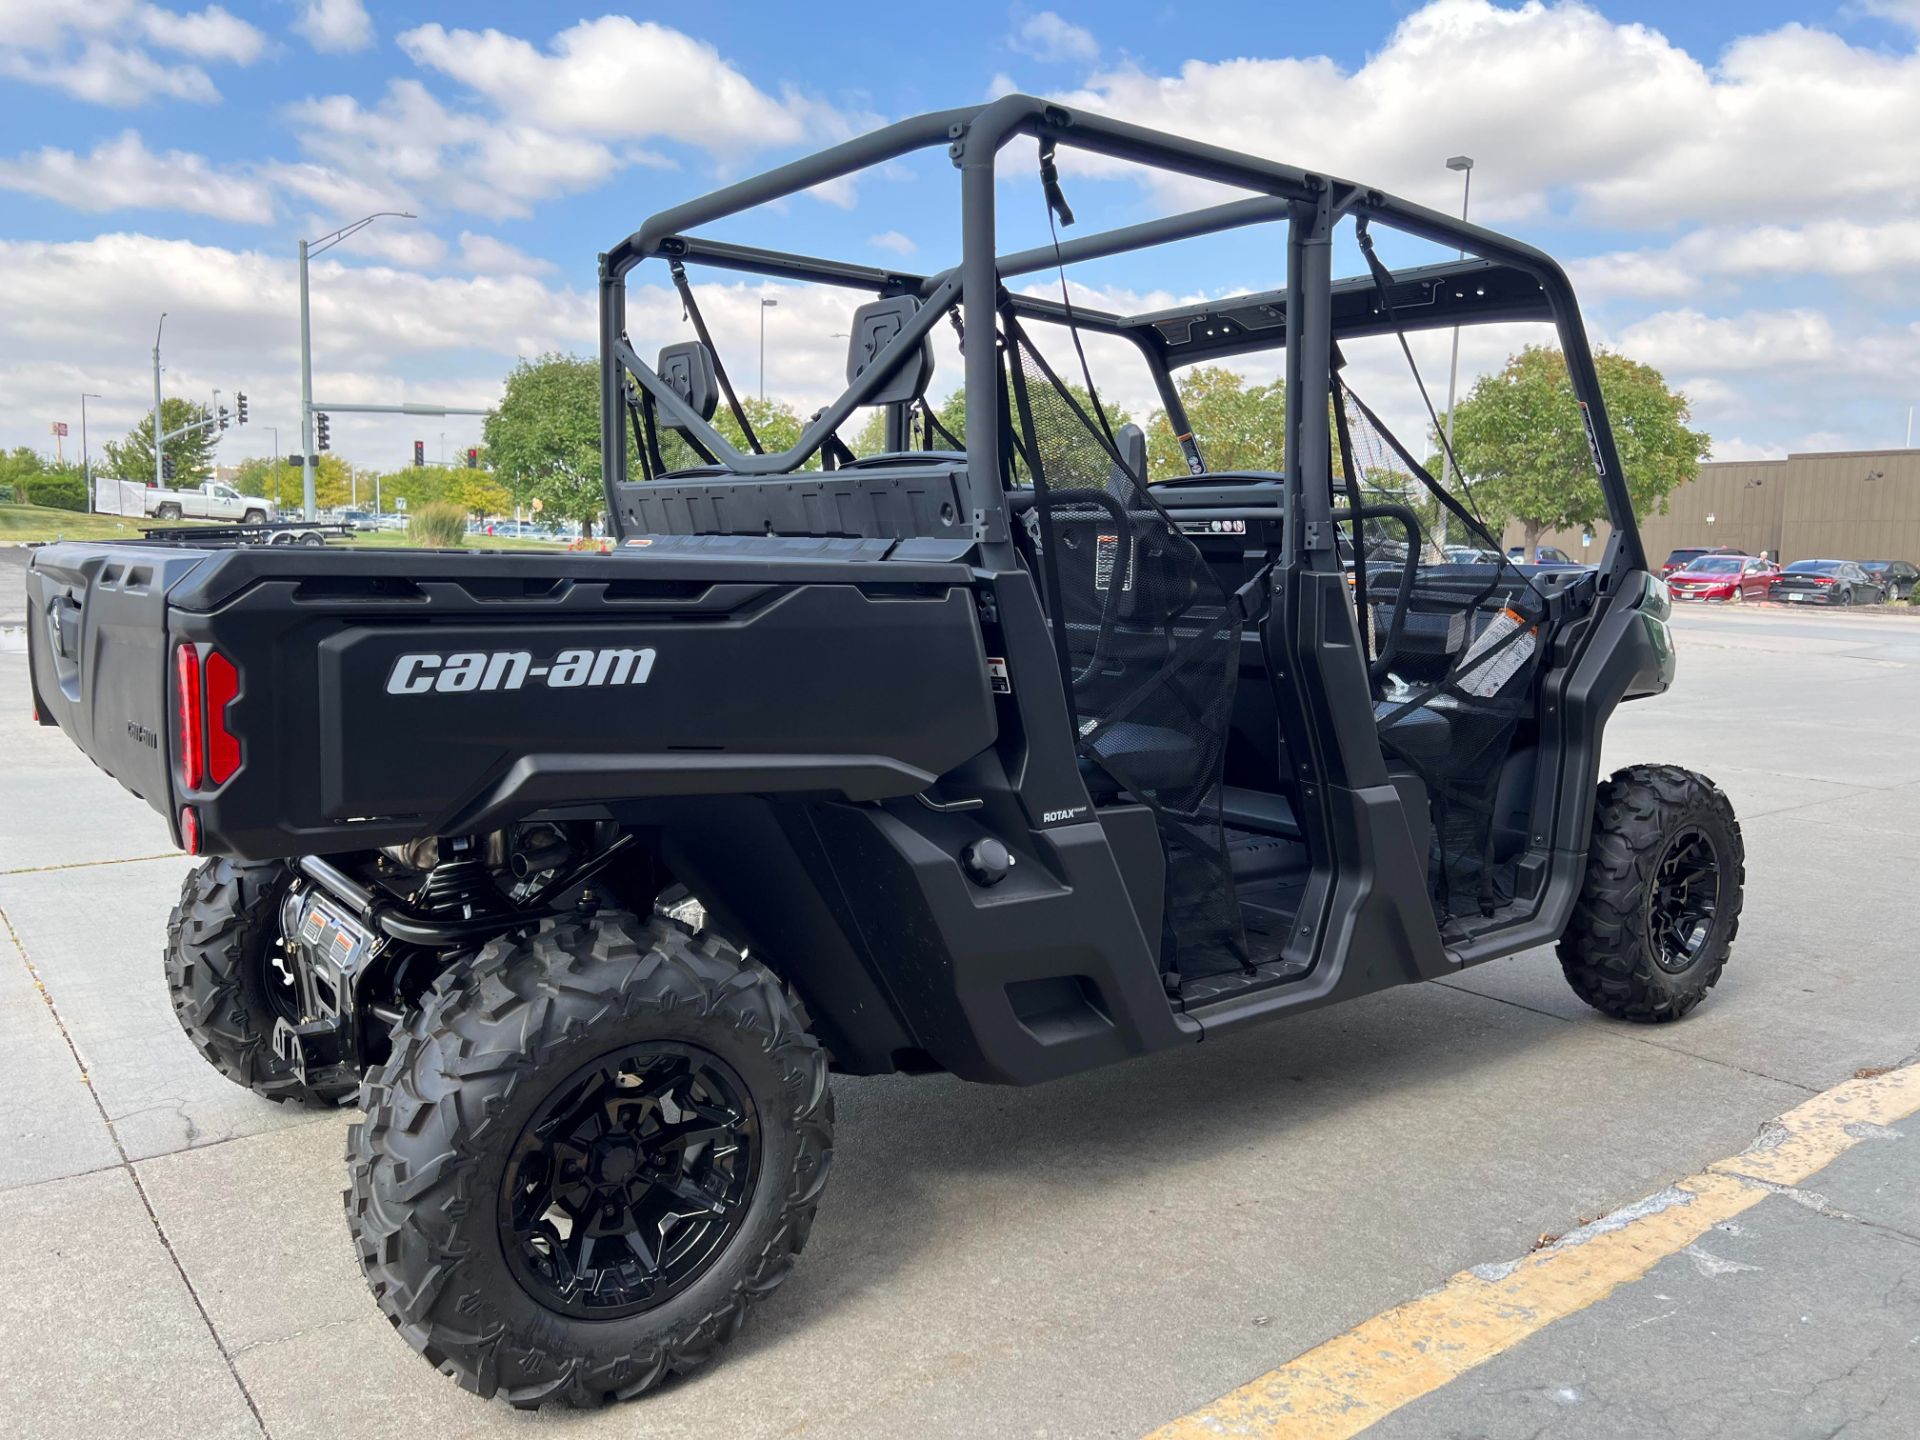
978 754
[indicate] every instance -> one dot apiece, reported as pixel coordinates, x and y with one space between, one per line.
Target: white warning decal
1486 678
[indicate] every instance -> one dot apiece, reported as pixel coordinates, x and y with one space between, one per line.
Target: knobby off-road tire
1623 950
487 1051
221 941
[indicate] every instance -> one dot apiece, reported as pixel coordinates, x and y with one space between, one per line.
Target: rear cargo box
387 695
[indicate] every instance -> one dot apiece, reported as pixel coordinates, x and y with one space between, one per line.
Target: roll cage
1502 280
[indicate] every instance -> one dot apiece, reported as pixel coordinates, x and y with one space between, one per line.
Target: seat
1151 757
1421 734
1258 810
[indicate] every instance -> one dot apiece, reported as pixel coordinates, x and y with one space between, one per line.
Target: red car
1726 578
1684 557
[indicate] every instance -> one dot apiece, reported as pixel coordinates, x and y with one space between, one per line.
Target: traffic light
223 417
321 440
166 467
473 459
240 406
419 452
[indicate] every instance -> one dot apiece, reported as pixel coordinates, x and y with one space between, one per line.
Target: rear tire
516 1135
167 512
1646 942
222 939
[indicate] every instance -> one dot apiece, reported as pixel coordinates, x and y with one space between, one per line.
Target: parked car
1826 582
1542 555
1472 555
1729 579
1896 577
1678 560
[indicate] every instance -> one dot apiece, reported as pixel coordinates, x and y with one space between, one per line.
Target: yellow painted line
1340 1388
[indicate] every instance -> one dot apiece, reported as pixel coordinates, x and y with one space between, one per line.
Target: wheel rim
1685 902
630 1180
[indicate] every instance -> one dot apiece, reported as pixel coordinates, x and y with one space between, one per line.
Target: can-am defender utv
979 754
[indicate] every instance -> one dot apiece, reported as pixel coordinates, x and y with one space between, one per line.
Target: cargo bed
287 702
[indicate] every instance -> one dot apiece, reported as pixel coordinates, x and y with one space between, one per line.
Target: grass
39 522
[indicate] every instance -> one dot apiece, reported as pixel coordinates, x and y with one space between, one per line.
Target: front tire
254 517
527 1196
222 943
1660 906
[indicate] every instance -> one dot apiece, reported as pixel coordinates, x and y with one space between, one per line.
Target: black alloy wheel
1684 899
629 1180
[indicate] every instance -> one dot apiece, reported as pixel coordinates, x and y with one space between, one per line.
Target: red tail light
189 830
1823 579
223 748
193 723
209 751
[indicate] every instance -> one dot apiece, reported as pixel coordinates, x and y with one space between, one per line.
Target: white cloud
1901 12
122 174
892 240
620 78
1734 448
1562 107
337 27
380 334
1046 37
209 34
98 52
485 252
464 161
1676 340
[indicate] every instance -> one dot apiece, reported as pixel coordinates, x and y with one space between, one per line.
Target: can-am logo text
467 670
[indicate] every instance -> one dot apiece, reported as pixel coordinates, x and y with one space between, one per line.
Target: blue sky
1736 188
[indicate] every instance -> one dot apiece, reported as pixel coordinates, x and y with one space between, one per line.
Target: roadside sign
60 428
399 502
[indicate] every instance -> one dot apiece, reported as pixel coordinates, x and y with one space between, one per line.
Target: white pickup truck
213 500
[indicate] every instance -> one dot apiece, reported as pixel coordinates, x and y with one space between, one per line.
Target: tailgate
97 655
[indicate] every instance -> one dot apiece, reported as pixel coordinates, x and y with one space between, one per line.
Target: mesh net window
1463 645
1150 642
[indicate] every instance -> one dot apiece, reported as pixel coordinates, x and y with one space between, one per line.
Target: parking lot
1102 1256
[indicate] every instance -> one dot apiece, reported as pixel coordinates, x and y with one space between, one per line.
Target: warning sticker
998 679
1503 656
1106 550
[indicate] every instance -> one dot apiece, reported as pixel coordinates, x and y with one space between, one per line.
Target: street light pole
765 305
308 249
276 465
1464 164
86 462
159 468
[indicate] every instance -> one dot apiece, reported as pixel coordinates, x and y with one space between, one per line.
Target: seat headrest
1131 441
688 369
874 327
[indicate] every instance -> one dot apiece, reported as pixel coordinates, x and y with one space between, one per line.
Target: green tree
776 424
193 454
1239 426
286 487
544 440
1521 441
17 467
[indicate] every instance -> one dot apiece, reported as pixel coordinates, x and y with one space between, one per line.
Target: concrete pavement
1090 1258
